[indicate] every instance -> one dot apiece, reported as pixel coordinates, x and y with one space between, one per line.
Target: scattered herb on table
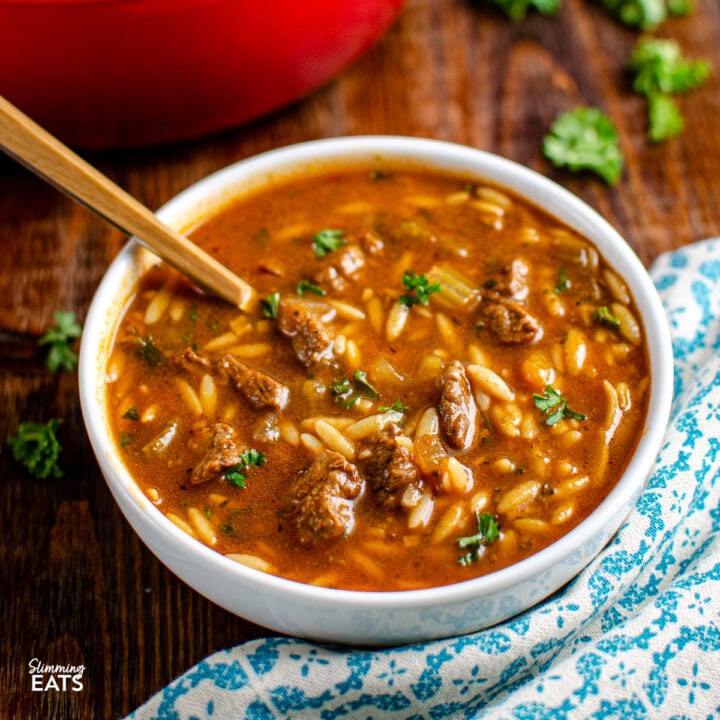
327 241
518 9
659 71
236 475
554 405
37 448
61 356
349 391
420 286
305 286
488 532
270 305
642 14
585 139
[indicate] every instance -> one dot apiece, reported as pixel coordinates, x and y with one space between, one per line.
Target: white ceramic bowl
352 617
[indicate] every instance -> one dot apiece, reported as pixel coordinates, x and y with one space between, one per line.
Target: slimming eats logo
55 677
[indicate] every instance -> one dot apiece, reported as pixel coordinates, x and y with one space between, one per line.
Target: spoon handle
45 155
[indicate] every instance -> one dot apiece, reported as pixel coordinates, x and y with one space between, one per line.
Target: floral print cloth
635 635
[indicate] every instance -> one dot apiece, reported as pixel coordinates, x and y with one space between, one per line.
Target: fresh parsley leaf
61 356
149 352
658 67
585 139
518 9
642 14
126 439
488 532
605 316
249 458
36 447
419 285
270 305
554 406
397 406
326 241
680 8
664 118
349 391
306 286
131 414
562 281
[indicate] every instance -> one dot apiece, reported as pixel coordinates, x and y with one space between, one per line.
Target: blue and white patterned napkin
635 635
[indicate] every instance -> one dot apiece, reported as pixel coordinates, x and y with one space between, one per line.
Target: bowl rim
216 189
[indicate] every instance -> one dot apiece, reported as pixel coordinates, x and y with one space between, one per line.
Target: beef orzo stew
438 380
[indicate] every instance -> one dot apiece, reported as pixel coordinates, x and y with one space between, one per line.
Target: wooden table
77 585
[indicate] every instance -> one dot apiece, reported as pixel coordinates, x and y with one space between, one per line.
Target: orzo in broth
438 380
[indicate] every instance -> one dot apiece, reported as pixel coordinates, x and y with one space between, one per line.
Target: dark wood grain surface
76 584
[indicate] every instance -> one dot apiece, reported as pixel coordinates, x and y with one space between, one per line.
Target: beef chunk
350 259
222 454
509 320
514 281
190 357
260 389
323 498
457 408
305 322
331 279
389 467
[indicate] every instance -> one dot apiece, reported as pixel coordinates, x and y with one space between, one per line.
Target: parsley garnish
270 305
659 70
488 532
585 139
422 288
397 406
306 286
126 438
554 406
236 474
326 241
642 14
603 315
518 9
562 281
348 392
132 414
37 448
61 356
149 352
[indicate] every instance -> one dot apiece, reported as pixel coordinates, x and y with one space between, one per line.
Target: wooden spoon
45 155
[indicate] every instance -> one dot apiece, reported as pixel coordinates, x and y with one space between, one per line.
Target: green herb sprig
420 286
554 405
60 355
349 390
270 305
488 532
327 241
37 448
236 475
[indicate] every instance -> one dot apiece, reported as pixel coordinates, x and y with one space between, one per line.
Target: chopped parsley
517 9
236 474
555 406
585 139
149 352
61 356
488 532
327 241
349 391
36 447
131 414
659 71
126 438
306 286
605 316
397 406
562 281
270 305
420 286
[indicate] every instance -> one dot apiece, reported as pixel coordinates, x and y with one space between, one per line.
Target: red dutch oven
118 73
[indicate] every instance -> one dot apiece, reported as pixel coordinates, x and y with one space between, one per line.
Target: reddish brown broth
521 297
